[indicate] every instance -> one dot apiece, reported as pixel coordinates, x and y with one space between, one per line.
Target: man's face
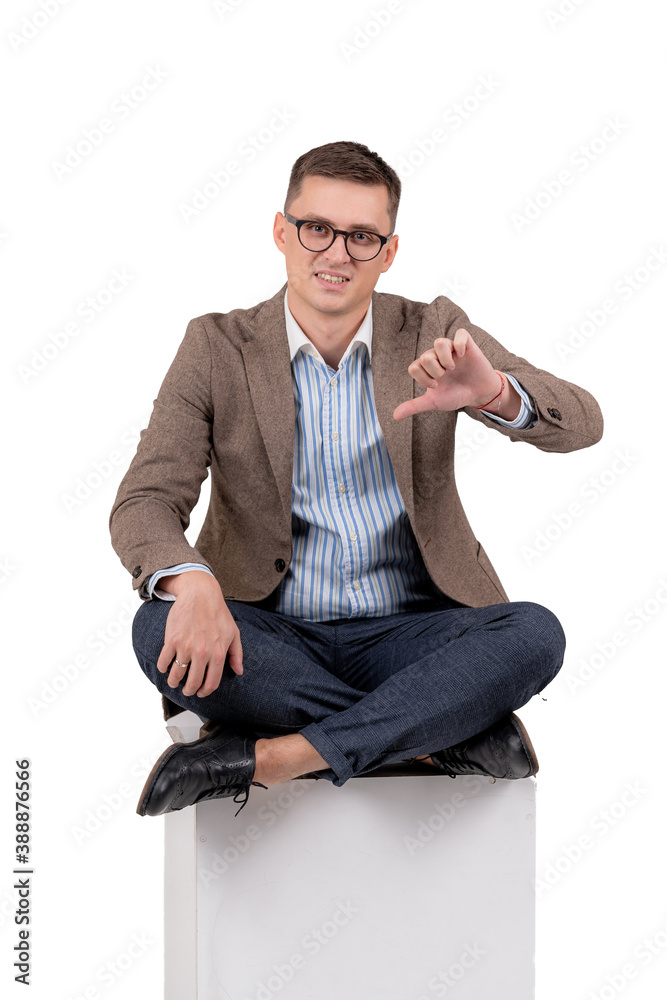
343 205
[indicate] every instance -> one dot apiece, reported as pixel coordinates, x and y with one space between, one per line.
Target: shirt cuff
527 415
150 591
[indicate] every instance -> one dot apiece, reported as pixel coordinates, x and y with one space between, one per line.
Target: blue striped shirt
355 554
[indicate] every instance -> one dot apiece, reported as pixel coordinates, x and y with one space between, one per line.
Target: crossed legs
344 697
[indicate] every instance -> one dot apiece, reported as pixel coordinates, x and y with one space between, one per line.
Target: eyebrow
366 226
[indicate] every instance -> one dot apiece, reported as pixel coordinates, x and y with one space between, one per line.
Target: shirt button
357 585
335 436
334 381
280 565
353 537
341 488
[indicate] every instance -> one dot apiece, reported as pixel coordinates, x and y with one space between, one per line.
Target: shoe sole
166 755
527 745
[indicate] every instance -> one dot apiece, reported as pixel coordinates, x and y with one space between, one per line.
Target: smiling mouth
331 278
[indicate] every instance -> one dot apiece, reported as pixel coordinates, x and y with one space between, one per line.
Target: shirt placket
344 502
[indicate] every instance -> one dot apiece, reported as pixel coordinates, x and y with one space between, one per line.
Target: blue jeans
369 691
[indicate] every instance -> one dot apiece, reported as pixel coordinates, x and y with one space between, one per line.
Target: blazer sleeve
162 485
568 417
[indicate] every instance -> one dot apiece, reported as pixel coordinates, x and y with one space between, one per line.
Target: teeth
332 279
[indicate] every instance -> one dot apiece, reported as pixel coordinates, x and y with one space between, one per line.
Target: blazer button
136 572
553 412
280 565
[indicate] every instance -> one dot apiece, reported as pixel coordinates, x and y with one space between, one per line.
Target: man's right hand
200 631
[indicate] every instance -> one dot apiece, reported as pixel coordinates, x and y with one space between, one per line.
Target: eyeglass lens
360 245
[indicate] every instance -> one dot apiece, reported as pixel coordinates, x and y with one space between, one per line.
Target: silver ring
180 664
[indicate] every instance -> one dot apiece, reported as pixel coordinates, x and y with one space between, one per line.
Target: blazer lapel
394 347
267 363
266 358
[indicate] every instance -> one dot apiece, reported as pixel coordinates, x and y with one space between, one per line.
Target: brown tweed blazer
227 401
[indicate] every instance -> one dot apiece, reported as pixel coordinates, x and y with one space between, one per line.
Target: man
337 611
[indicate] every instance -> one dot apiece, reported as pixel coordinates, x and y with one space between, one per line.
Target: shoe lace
457 756
242 790
454 754
245 788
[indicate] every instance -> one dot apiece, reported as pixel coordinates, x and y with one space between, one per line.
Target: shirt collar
297 338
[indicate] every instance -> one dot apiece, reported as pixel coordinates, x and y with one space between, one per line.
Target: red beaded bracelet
502 389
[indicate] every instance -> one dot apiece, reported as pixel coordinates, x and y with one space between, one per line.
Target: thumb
411 406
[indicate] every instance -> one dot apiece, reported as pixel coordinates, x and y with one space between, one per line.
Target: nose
338 251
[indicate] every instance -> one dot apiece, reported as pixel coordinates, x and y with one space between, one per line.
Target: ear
390 253
279 224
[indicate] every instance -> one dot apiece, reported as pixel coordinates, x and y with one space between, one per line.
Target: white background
555 83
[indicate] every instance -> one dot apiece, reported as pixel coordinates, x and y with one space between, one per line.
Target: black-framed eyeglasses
317 236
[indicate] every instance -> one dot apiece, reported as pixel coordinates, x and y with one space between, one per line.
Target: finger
196 666
444 350
167 654
195 669
211 679
236 654
460 342
177 672
424 378
411 406
215 667
438 360
427 370
207 681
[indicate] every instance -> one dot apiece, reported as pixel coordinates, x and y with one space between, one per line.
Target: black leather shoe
216 766
503 750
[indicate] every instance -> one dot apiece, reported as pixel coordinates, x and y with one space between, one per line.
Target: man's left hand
455 373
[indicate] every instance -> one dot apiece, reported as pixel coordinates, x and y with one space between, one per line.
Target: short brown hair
346 160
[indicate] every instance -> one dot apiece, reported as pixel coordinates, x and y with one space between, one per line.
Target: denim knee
148 628
546 635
